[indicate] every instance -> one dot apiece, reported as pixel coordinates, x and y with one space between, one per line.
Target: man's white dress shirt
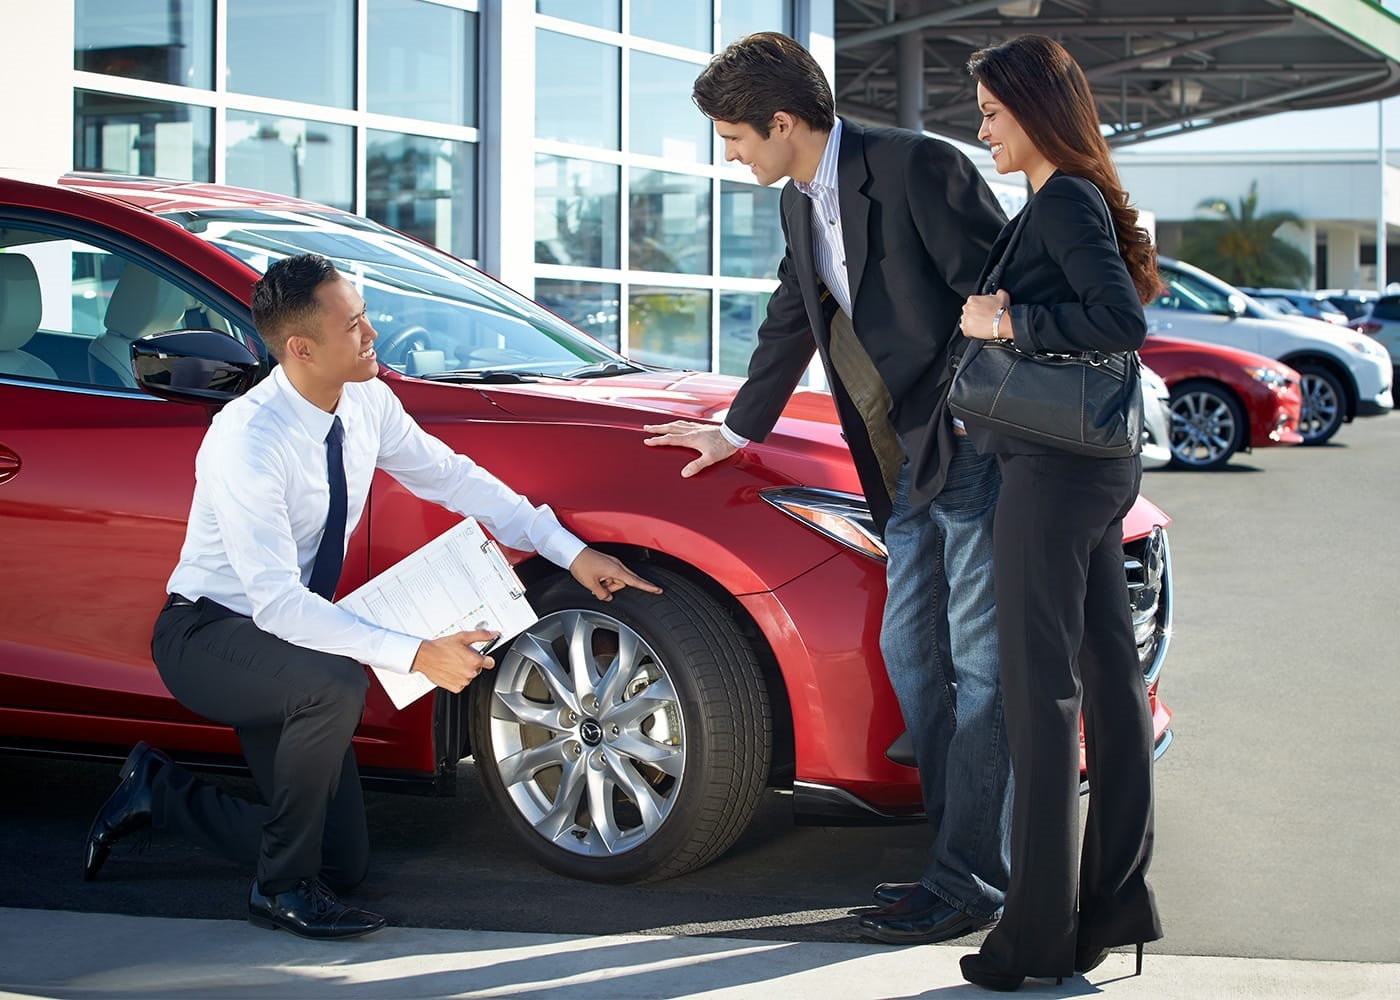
261 497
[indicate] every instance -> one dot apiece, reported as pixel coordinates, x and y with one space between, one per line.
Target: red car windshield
436 316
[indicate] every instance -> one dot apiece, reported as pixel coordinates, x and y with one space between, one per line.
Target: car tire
1324 402
596 789
1208 425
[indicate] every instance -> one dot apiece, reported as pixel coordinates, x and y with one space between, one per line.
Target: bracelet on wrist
996 323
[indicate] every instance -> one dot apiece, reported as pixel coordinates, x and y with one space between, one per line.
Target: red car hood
805 447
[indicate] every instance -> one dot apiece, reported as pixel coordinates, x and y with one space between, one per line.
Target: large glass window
167 41
750 231
689 23
577 90
302 51
664 121
738 18
305 159
739 316
669 222
589 305
424 187
422 61
599 13
576 212
129 135
669 326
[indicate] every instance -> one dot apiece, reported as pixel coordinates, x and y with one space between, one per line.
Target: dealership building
554 144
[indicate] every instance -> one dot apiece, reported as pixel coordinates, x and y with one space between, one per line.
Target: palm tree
1242 249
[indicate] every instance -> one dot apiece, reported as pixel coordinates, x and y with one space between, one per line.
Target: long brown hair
1044 89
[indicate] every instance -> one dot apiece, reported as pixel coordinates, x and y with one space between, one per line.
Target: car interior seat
21 308
142 303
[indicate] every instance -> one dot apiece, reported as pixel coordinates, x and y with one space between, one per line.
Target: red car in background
1223 400
621 741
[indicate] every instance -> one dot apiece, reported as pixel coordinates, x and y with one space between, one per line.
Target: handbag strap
993 279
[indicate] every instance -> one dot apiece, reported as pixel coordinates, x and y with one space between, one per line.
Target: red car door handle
9 464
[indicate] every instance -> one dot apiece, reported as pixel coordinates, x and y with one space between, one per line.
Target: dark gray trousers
294 711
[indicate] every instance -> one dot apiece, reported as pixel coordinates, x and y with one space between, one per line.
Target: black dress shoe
1088 961
980 972
311 910
892 892
917 902
942 923
126 810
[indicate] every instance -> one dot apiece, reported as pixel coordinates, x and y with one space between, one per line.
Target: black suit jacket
918 222
1069 288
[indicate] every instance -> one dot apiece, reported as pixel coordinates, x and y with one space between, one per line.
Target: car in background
1381 322
1352 301
621 741
1345 374
1156 451
1296 302
1223 401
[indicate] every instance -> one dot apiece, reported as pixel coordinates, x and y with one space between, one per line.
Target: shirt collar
316 420
825 178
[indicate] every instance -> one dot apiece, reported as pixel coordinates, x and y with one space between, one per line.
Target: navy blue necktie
325 571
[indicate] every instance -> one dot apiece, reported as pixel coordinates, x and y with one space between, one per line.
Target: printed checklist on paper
458 582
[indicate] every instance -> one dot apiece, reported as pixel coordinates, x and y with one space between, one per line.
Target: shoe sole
894 937
269 924
129 765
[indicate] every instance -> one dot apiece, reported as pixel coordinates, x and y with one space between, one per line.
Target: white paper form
458 582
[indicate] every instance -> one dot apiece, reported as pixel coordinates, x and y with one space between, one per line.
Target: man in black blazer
887 231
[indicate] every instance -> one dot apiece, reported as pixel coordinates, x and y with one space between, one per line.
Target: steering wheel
394 348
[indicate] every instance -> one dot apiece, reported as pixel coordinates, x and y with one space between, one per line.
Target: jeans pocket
974 480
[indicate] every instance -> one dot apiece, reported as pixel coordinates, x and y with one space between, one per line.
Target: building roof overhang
1158 67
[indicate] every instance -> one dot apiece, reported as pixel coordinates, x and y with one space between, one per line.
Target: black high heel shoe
1092 960
979 972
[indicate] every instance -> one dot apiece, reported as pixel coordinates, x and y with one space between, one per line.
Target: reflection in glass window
589 305
577 90
664 121
739 316
669 327
424 187
305 159
738 18
167 41
576 212
599 13
302 51
669 219
690 23
750 230
129 135
422 61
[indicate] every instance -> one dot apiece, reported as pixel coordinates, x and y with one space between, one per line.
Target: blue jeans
939 641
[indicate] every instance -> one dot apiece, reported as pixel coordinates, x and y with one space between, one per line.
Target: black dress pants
1067 644
295 711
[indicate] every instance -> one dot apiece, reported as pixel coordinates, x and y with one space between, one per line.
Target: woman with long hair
1074 279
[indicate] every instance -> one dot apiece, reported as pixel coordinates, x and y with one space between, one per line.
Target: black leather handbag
1087 403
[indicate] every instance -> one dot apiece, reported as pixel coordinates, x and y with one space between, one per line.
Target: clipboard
458 582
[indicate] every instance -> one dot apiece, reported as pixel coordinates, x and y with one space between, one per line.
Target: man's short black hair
284 298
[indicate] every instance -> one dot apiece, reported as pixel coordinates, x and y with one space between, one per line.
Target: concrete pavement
93 956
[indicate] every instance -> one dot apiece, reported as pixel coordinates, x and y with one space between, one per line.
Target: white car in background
1156 420
1345 374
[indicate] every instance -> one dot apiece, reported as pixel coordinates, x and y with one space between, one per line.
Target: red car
623 741
1224 400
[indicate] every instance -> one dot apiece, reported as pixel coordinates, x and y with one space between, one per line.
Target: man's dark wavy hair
758 76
